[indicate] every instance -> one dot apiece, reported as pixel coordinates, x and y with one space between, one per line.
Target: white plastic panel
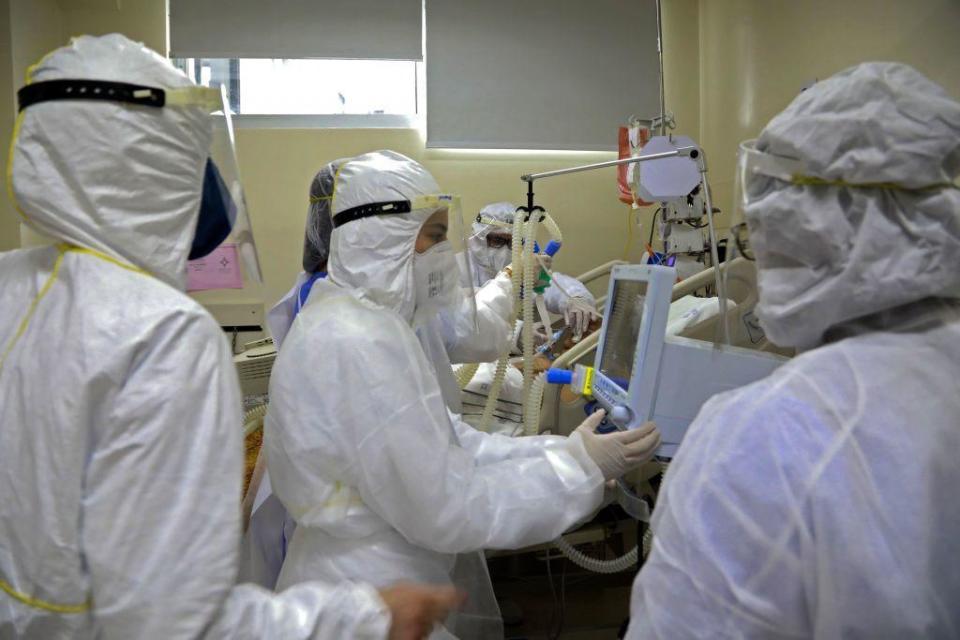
692 372
623 336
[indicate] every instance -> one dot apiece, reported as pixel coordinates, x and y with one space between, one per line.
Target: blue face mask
217 213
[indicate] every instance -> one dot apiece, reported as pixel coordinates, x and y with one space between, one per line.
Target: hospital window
360 92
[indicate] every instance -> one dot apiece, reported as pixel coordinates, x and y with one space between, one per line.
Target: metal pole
714 255
663 97
691 151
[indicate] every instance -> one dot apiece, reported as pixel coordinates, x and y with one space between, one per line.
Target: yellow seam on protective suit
13 145
62 249
338 500
28 75
814 181
36 603
28 78
336 179
103 256
33 306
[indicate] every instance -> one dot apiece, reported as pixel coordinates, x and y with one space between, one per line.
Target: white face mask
435 275
499 258
490 260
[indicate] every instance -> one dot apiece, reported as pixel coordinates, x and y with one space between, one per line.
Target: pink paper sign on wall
219 270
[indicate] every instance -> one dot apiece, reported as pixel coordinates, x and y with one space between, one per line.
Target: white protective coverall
821 501
385 483
565 296
449 337
120 450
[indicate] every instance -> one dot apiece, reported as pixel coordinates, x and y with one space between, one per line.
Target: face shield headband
455 236
223 213
752 179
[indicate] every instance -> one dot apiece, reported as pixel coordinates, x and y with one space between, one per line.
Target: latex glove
618 452
578 313
542 262
414 610
545 261
543 273
540 336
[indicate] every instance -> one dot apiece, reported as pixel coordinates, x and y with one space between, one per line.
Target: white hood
374 255
118 178
829 254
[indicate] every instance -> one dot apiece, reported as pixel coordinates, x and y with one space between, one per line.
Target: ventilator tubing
523 280
530 272
577 557
465 374
616 565
624 562
533 389
253 419
532 406
516 277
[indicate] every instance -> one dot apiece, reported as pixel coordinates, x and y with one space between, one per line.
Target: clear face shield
491 247
441 262
223 209
224 217
757 176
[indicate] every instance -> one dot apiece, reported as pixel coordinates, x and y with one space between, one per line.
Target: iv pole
691 152
694 153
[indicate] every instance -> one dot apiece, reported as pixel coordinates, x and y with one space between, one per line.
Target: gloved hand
543 263
414 609
618 452
578 313
540 336
543 273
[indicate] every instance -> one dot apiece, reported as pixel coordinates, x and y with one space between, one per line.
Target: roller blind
538 74
362 29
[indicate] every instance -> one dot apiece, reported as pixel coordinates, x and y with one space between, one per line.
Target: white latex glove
540 260
542 263
545 261
578 313
618 452
540 336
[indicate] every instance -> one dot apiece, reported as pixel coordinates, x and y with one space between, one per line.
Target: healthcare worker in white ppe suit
489 248
120 458
384 482
271 527
489 252
821 501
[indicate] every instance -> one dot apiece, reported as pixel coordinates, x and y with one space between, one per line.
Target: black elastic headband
51 90
372 209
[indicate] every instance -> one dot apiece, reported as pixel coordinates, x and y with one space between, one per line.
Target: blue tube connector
579 379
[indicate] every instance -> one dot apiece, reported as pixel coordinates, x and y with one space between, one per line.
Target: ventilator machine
640 373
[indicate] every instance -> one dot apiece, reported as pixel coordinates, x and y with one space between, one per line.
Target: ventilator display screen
622 331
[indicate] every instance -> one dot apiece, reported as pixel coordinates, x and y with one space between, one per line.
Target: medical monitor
628 354
642 374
